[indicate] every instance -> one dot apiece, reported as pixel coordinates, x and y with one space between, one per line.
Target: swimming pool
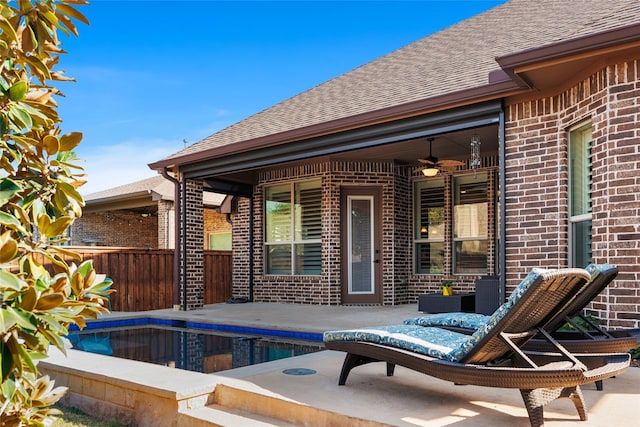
198 347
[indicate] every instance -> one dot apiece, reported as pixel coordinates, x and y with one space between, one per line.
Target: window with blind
470 224
293 228
429 229
580 195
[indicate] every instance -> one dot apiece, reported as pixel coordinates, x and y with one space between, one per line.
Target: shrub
42 292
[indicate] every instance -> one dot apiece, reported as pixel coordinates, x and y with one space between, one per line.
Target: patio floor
372 398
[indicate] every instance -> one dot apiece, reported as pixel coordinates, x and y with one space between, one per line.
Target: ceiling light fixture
430 171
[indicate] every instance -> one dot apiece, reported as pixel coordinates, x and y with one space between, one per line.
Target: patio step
235 406
218 416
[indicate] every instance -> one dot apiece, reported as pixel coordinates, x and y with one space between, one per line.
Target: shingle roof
457 58
157 187
143 186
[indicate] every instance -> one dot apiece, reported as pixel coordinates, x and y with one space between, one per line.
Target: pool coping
146 319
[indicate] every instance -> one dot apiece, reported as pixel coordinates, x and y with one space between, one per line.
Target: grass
74 417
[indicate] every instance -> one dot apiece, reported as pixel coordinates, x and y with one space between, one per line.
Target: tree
42 291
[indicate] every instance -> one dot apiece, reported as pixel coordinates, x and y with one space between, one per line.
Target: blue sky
151 74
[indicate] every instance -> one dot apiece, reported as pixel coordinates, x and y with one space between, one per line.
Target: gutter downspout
183 243
502 290
176 239
251 260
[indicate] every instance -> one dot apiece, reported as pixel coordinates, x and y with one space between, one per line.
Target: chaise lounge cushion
452 319
434 342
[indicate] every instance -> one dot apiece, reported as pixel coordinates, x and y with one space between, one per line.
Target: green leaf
8 189
18 91
59 226
19 117
26 358
7 367
8 29
85 268
25 319
8 386
7 320
11 281
71 192
9 220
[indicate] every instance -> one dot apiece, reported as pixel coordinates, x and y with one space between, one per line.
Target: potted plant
446 287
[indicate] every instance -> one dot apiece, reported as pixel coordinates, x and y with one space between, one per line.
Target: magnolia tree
44 289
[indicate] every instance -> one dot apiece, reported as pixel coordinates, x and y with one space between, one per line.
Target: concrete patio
263 394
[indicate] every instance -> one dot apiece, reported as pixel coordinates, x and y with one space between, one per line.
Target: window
220 241
429 234
293 228
466 210
470 224
580 195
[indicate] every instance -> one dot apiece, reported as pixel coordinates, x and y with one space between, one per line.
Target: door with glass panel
360 243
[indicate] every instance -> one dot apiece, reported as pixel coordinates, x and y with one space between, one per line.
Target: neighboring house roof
146 192
458 59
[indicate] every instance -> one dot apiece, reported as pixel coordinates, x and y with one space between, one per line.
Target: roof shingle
453 59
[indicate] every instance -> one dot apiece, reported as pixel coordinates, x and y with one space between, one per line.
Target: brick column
191 247
166 218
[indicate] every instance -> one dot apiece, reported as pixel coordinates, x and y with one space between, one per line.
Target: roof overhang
254 148
547 66
137 200
478 115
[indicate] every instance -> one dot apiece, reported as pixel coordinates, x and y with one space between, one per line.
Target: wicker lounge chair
593 339
493 355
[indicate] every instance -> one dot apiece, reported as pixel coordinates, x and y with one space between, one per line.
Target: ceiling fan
433 165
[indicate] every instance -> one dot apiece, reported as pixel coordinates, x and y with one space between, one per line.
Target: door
361 255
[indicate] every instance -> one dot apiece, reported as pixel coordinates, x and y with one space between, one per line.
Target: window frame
479 238
293 242
437 182
489 237
580 130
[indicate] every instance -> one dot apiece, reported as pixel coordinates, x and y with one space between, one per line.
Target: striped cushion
454 319
434 342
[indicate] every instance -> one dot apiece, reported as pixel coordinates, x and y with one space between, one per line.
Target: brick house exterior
525 78
139 215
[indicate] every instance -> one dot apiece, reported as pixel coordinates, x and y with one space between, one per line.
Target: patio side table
438 303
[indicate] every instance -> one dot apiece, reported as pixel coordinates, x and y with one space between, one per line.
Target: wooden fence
143 278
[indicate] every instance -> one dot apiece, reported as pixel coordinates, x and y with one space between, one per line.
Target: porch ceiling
451 145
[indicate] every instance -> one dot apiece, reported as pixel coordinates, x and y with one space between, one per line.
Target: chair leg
534 407
391 367
351 361
599 385
534 401
578 401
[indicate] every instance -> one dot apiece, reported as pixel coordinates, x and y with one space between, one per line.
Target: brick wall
214 222
537 183
326 288
193 227
155 230
399 284
125 228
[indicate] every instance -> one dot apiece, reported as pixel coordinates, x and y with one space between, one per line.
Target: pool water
200 350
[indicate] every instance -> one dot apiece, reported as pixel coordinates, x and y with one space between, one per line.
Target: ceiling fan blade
450 163
427 161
